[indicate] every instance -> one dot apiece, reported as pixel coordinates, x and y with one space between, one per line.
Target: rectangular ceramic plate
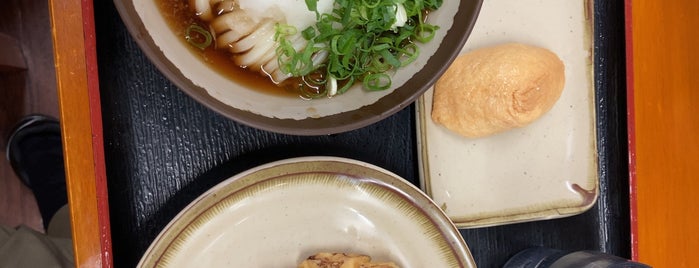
545 170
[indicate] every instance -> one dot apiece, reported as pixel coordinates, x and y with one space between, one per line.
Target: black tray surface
163 149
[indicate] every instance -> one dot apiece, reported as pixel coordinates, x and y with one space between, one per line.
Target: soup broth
179 17
319 61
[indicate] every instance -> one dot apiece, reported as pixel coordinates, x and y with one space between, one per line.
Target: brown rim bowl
296 116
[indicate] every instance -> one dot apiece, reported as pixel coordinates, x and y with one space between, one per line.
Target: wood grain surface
145 125
664 91
163 149
73 38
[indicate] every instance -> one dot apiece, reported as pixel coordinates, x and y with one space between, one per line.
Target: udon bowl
354 109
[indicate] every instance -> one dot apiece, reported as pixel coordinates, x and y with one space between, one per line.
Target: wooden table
664 96
663 141
78 90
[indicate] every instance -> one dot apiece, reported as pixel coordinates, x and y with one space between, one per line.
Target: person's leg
23 247
60 225
35 153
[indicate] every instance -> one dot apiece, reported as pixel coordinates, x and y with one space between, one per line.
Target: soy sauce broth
179 16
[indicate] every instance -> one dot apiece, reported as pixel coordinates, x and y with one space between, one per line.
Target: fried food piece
342 260
494 89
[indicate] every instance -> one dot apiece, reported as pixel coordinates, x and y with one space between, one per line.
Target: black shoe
35 153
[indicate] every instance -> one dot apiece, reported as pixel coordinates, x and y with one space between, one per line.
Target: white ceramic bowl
354 109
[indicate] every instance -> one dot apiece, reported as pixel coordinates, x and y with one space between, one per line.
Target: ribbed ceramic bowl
283 114
278 214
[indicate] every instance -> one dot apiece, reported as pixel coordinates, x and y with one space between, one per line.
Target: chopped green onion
409 53
197 41
425 32
376 82
313 6
363 39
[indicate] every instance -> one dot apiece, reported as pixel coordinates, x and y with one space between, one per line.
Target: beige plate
278 214
545 170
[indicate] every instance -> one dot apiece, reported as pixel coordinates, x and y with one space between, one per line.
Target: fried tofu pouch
342 260
494 89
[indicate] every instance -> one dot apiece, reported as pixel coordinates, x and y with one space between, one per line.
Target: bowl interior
278 214
354 109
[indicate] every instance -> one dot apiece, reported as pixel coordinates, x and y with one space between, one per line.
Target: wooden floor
22 92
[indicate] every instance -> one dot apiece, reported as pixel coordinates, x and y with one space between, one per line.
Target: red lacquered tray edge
631 130
97 134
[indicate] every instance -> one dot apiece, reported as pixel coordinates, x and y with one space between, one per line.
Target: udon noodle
286 42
